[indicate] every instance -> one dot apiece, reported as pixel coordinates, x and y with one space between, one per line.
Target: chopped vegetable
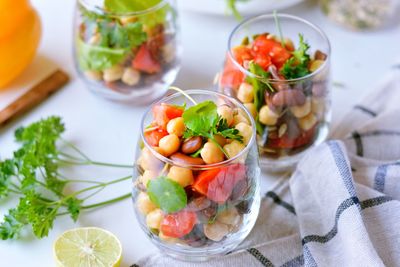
178 224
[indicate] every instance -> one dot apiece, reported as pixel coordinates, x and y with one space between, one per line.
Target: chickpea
245 131
144 203
176 126
211 153
315 64
303 110
226 113
229 217
252 109
318 107
245 93
148 161
169 144
219 139
215 231
127 20
154 218
308 122
267 116
113 73
130 77
147 176
233 148
168 52
239 118
93 75
182 176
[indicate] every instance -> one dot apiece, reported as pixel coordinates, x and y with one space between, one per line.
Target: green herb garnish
297 66
203 120
167 194
34 174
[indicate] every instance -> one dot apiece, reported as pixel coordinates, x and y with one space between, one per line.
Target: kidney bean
198 204
289 98
192 144
184 159
268 101
319 89
281 84
319 55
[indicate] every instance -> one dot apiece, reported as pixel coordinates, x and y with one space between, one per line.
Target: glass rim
196 166
101 10
271 16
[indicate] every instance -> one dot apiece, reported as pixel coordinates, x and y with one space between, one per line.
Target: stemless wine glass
215 219
291 114
126 55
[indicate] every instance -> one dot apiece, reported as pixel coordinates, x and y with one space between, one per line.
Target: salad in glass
196 186
282 82
127 50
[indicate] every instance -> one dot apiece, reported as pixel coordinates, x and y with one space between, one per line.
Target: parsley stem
94 193
183 93
219 146
100 185
278 26
98 163
75 148
107 201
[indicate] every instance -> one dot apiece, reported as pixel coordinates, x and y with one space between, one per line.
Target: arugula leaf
167 194
97 57
150 19
201 118
297 66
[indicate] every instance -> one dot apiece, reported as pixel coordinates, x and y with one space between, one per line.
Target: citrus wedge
87 247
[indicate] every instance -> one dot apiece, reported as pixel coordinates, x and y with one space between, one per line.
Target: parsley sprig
203 120
297 66
34 174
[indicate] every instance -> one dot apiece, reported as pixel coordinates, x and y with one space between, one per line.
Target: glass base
153 89
288 163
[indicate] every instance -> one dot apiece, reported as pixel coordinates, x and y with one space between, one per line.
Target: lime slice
87 247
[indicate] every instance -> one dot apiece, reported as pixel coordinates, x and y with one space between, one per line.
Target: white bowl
245 8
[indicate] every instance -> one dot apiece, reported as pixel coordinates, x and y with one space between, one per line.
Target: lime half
87 247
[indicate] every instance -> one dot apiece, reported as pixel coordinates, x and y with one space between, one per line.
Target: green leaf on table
297 66
201 117
167 194
7 170
11 227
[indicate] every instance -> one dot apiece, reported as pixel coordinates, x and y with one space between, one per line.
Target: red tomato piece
144 61
289 143
163 113
231 76
264 61
153 137
262 45
178 224
279 55
218 184
242 53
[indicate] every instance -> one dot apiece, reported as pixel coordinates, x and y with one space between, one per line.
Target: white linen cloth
341 205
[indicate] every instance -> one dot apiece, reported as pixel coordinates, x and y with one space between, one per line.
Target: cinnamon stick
34 96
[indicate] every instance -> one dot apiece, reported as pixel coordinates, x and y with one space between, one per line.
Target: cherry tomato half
217 184
163 113
178 224
153 137
144 61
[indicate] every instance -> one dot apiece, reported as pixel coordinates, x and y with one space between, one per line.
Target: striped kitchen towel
341 205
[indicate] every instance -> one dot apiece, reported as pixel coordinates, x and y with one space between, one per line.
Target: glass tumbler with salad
278 67
127 50
196 178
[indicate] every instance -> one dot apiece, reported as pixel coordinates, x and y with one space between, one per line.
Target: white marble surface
108 131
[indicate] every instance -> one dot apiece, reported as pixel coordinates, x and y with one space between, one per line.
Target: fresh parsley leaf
201 118
74 207
167 194
7 170
11 227
297 66
259 87
227 132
